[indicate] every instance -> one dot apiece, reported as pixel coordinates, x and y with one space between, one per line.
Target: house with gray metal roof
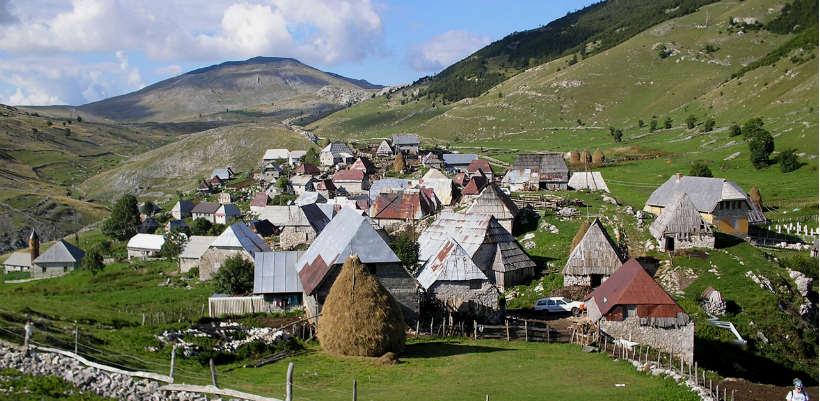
275 277
299 225
237 239
224 173
182 209
193 251
18 261
388 185
59 259
335 153
350 233
458 162
551 168
721 203
143 246
406 143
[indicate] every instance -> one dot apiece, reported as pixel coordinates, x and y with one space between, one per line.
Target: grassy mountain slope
178 166
234 85
43 158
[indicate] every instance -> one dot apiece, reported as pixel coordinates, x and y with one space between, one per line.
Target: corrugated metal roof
386 185
405 140
450 263
458 159
275 272
206 207
541 162
238 235
591 180
681 217
61 252
704 192
19 258
146 241
347 234
196 246
273 154
632 285
594 254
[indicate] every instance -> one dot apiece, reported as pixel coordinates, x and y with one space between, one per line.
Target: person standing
798 393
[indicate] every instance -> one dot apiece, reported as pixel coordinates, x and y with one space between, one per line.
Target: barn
680 226
495 203
593 260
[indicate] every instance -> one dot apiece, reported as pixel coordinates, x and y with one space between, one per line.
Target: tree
200 226
667 123
751 127
653 125
124 220
406 248
619 135
235 276
93 260
282 182
789 161
709 124
216 229
398 163
700 169
734 130
311 157
691 121
641 124
761 142
172 247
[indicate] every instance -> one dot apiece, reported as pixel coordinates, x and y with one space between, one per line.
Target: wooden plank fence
236 306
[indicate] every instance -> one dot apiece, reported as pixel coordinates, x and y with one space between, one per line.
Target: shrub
235 276
789 161
93 260
124 220
734 130
200 226
709 124
406 248
691 121
619 135
653 125
667 123
172 247
700 169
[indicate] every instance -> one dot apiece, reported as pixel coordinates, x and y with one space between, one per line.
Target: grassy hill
162 172
260 82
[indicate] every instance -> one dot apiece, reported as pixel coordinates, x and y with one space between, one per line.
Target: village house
276 279
350 233
307 198
149 225
227 213
588 181
237 239
193 250
458 162
440 184
296 156
326 188
276 156
721 203
451 277
480 166
351 181
298 225
19 261
363 164
302 183
473 188
495 203
59 259
493 249
406 143
216 213
552 170
270 172
432 160
387 185
335 153
384 149
223 173
681 226
182 209
144 246
632 306
394 209
259 201
307 169
521 180
593 260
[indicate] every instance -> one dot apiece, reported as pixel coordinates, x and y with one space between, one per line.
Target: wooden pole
143 318
213 372
431 326
548 332
289 383
355 390
724 393
475 330
659 359
526 332
28 330
173 357
417 327
507 328
76 336
486 397
703 371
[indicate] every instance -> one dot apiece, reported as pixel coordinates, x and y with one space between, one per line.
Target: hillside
274 87
43 158
179 166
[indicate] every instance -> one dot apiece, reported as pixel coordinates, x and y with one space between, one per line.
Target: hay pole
355 390
213 372
289 383
173 357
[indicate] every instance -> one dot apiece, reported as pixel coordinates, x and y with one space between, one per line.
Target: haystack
359 316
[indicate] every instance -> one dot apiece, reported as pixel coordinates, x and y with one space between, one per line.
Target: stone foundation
679 341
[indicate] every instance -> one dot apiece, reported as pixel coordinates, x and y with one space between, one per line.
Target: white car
559 305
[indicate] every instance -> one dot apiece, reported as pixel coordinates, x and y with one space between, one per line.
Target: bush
734 130
235 276
709 124
667 123
200 226
407 249
700 169
124 220
653 125
619 135
691 121
789 161
172 247
93 260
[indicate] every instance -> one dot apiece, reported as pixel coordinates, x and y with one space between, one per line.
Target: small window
631 311
475 284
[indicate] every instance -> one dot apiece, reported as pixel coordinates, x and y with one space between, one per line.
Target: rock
802 282
567 212
609 199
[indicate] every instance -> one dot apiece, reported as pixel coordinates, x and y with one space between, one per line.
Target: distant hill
267 86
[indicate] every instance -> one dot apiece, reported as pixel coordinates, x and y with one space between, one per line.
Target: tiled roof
632 285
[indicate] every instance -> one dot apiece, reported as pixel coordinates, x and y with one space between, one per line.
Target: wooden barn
495 203
680 226
384 149
593 260
552 170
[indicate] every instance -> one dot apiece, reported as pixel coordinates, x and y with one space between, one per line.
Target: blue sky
78 51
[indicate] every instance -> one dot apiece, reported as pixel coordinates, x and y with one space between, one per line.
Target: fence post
548 332
28 328
507 328
213 372
289 383
526 332
173 357
76 336
431 326
486 397
475 330
143 318
724 393
355 390
417 327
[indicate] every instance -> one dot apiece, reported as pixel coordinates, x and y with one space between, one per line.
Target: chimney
678 177
34 245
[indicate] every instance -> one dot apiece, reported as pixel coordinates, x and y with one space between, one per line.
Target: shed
275 277
593 260
18 261
59 259
440 184
144 246
237 239
551 168
681 226
495 203
193 250
587 180
384 149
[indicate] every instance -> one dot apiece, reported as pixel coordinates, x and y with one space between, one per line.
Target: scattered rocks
609 199
802 282
761 281
567 212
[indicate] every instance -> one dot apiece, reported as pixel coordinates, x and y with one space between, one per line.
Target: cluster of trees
708 124
761 147
617 134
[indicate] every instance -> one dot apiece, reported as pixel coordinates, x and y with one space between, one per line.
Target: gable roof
591 180
19 258
60 252
307 168
206 207
223 173
349 175
594 254
184 206
480 164
273 154
308 197
405 140
384 148
681 217
494 202
349 233
386 185
401 205
434 174
301 180
312 215
476 184
260 199
238 235
275 272
363 164
230 209
450 263
337 148
704 192
146 241
458 159
196 246
632 285
541 162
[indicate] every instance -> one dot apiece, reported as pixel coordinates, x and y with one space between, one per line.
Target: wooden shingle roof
594 254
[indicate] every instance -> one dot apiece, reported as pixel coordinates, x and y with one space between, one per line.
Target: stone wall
293 236
571 279
41 270
481 303
679 341
212 260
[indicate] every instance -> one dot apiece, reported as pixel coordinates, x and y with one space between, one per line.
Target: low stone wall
679 341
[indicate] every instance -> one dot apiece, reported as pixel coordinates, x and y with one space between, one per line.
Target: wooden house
440 184
721 202
681 226
59 259
182 209
276 279
631 305
144 246
451 277
397 208
493 249
350 233
237 239
406 143
335 153
351 181
593 260
495 203
193 251
384 149
552 170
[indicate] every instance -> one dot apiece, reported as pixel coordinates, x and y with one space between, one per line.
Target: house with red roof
352 181
480 166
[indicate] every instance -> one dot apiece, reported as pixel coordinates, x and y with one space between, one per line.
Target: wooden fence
510 329
236 306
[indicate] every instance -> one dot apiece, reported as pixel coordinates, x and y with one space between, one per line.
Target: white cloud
444 49
169 70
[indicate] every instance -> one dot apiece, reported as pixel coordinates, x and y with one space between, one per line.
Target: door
669 244
595 280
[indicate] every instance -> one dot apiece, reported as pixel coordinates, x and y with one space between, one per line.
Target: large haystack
359 316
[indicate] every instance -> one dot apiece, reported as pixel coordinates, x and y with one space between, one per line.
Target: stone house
631 305
350 233
182 209
681 226
491 201
144 246
335 153
432 160
440 184
298 225
237 239
351 181
552 170
593 260
193 251
59 259
721 203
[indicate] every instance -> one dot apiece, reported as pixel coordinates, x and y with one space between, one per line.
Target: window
631 311
550 302
541 303
475 284
560 302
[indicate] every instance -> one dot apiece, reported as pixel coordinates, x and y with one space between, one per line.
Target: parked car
560 305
